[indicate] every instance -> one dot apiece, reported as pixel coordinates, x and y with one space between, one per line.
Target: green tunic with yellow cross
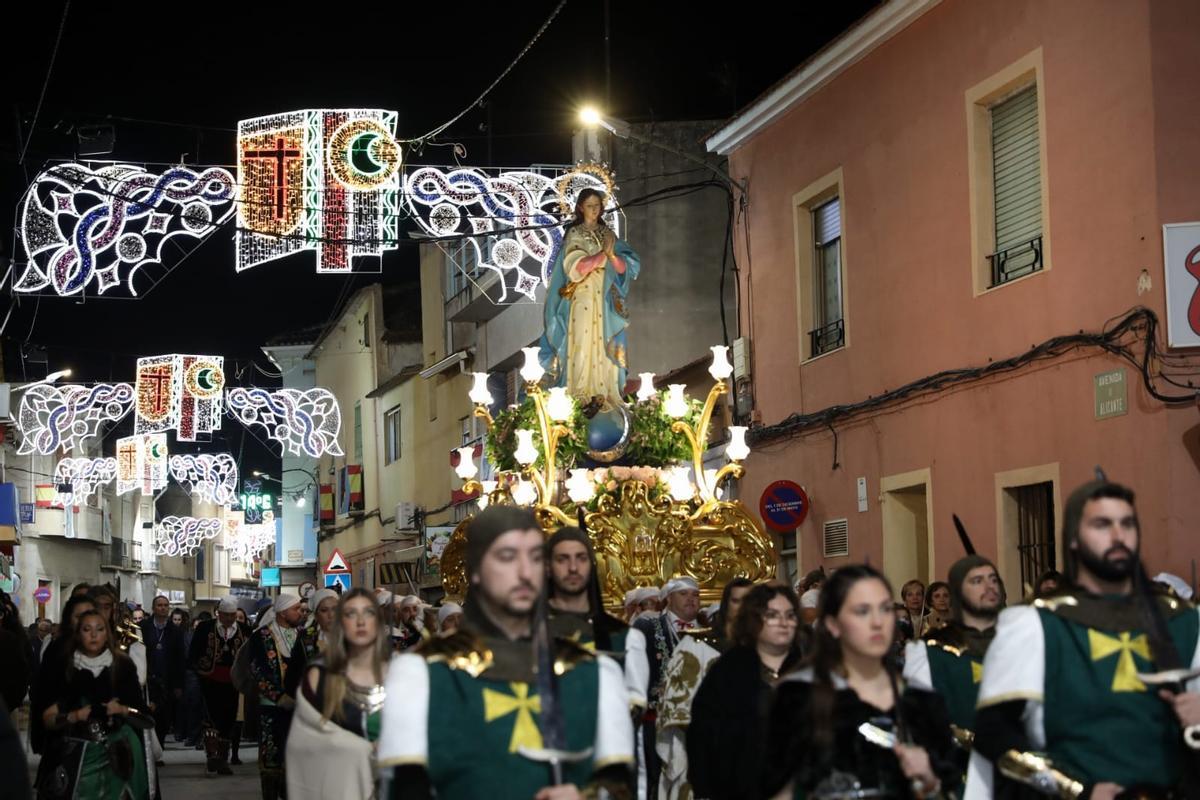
1074 660
465 707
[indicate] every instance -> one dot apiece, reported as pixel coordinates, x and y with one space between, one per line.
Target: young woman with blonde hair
331 745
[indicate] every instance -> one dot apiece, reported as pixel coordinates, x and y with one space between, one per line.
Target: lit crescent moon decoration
362 155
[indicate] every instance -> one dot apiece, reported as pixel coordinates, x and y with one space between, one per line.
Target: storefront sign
1181 267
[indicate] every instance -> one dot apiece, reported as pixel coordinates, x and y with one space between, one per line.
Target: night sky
175 78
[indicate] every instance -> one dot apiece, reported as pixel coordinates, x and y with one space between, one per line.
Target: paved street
183 776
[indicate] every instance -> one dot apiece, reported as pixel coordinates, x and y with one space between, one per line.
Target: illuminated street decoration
142 463
213 477
515 219
304 422
87 229
80 477
181 393
247 542
53 417
323 180
181 536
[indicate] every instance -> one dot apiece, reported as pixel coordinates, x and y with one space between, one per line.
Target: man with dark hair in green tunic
1092 692
950 659
576 608
464 716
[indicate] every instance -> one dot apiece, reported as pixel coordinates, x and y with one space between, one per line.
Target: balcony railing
1016 261
827 338
125 554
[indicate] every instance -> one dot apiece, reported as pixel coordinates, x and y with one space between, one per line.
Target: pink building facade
1000 173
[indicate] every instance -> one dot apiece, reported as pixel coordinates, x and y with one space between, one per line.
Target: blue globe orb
608 434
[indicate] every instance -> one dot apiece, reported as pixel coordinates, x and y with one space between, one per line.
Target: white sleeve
637 668
404 725
1015 665
137 654
916 665
614 729
1013 669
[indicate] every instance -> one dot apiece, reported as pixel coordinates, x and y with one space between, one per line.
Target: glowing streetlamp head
560 406
580 487
676 405
466 468
646 389
479 394
589 116
737 449
524 493
721 368
532 371
525 453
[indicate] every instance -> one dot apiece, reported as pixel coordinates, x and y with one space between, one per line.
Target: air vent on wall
835 537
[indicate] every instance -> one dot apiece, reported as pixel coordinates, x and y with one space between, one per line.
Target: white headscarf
284 637
228 605
316 597
809 599
677 584
448 610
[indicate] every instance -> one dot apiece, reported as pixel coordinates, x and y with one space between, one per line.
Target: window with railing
1035 529
829 332
1017 187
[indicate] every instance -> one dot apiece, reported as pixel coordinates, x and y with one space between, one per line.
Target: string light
81 228
181 536
214 477
54 417
519 208
83 476
304 422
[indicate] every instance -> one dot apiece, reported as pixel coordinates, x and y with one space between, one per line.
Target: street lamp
591 117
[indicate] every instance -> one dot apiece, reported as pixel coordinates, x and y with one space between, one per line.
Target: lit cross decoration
213 477
181 536
142 463
508 222
63 417
305 423
324 180
183 393
91 229
80 477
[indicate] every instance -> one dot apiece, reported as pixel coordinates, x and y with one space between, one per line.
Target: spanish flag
355 479
327 513
44 495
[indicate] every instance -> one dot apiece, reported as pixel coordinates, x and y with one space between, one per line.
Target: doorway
907 527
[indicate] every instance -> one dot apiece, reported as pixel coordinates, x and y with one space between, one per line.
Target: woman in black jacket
845 724
726 736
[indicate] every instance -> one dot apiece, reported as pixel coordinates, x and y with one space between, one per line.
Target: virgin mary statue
583 346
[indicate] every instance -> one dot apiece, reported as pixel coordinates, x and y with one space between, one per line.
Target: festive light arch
80 228
63 417
305 422
213 477
181 536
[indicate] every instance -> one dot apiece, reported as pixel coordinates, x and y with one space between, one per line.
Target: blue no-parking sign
783 506
333 578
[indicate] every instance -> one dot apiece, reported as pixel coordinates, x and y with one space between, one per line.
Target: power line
46 83
1140 321
494 83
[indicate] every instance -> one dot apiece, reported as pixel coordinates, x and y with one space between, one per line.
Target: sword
554 751
962 535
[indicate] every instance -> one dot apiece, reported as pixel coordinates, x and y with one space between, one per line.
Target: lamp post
592 118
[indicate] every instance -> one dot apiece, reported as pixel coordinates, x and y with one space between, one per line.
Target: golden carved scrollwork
644 541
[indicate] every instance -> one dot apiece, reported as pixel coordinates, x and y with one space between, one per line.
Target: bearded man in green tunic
576 608
1091 692
463 719
950 659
